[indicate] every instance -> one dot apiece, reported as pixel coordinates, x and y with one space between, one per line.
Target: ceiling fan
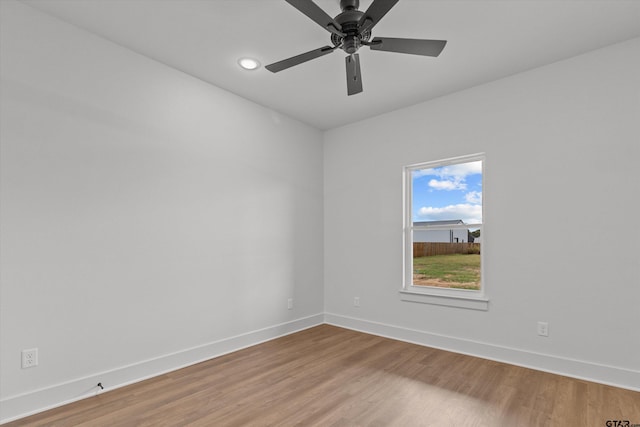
351 30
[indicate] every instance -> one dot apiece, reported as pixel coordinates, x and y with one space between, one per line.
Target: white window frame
461 298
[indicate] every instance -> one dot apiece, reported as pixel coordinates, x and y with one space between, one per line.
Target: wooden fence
421 249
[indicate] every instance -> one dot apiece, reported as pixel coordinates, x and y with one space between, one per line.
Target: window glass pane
447 217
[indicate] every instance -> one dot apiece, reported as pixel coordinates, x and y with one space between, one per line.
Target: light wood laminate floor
329 376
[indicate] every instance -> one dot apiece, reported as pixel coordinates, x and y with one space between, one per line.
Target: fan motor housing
348 20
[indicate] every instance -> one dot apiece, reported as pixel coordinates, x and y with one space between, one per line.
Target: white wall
148 219
562 154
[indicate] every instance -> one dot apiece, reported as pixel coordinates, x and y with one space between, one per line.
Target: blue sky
448 192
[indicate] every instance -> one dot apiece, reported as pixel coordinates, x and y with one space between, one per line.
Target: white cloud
453 172
450 177
467 212
462 170
423 172
473 197
447 185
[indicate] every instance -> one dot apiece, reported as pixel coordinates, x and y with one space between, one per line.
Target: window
443 233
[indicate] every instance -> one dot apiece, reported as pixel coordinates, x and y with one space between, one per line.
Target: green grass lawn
453 271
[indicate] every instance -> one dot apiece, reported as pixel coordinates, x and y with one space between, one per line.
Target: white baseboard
23 405
589 371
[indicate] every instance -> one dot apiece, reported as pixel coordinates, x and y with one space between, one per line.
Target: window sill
471 302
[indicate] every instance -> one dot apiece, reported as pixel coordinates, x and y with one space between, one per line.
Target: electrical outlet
29 358
356 301
543 329
289 303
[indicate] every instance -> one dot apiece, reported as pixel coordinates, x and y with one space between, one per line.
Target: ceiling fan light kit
350 30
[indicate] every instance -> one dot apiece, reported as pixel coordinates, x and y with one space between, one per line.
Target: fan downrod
349 5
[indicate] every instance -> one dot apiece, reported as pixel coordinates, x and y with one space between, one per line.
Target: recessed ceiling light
248 63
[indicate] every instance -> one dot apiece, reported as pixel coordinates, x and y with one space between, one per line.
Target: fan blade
374 14
299 59
354 78
411 46
313 11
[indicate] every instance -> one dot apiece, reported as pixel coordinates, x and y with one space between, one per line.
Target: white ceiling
487 40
